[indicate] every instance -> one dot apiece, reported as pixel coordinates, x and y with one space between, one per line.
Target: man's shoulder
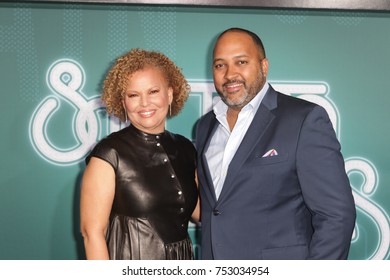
293 101
276 100
209 116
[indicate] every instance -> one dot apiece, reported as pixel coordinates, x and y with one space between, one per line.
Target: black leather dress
155 194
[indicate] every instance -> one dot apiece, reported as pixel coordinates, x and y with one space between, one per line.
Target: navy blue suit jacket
295 205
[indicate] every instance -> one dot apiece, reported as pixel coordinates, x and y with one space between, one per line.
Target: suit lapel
260 122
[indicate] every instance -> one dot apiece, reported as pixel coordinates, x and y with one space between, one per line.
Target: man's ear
264 66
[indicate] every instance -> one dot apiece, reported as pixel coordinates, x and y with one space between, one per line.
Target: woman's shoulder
181 142
107 148
108 142
178 138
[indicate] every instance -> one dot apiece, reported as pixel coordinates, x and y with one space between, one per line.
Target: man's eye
242 62
218 66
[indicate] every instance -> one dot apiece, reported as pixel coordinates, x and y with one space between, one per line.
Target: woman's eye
154 91
131 95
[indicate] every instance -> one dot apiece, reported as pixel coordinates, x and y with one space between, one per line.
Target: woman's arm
97 194
196 214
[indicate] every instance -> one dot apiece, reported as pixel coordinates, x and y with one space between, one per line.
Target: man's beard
246 96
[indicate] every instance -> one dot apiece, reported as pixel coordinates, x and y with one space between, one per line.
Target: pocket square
270 153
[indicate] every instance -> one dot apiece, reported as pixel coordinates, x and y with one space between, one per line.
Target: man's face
239 71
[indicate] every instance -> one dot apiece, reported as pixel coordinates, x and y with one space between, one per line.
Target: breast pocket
270 159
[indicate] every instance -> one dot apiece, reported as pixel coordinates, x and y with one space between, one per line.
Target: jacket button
216 212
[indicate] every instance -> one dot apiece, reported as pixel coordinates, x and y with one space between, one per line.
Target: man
271 175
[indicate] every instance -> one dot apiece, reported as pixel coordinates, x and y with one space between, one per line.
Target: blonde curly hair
115 84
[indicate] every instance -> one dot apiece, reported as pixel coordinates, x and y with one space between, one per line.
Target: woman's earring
125 115
170 110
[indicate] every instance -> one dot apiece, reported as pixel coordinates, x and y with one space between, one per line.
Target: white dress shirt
224 143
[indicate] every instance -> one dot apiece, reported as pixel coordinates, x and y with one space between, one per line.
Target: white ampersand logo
378 216
66 80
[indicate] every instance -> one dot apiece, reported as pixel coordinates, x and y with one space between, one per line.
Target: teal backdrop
53 58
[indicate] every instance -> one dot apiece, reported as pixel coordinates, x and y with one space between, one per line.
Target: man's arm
325 187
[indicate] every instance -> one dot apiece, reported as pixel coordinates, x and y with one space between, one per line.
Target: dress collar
147 137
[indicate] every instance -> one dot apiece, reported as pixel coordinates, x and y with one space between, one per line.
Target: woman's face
147 99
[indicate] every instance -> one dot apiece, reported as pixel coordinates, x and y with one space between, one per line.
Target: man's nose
231 73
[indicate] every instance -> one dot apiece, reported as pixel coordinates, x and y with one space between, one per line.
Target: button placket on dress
180 197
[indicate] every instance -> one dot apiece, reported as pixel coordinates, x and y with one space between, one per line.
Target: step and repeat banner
54 57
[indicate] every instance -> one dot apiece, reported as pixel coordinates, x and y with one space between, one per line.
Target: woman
139 187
